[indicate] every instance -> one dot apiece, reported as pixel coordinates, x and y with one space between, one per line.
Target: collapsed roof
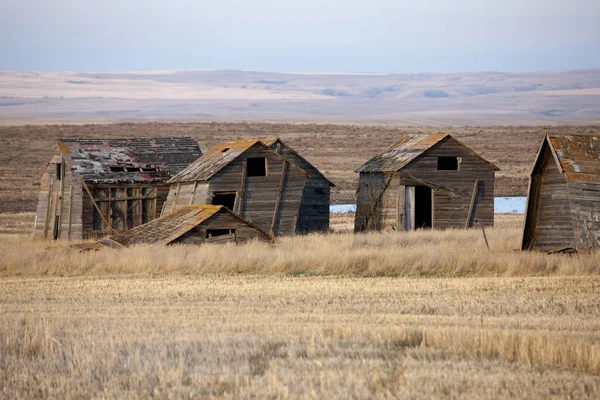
128 160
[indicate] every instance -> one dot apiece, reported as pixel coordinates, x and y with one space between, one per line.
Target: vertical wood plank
279 194
48 208
472 204
70 212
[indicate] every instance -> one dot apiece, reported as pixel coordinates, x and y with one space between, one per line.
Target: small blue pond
512 205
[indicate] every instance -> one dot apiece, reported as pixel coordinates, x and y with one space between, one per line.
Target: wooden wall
584 198
124 206
450 210
549 224
59 198
223 220
316 197
258 197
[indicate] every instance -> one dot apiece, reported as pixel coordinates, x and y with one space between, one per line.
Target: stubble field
418 315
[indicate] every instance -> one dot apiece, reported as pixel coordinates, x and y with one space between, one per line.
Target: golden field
427 314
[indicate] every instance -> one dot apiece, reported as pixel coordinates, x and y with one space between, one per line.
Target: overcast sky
300 35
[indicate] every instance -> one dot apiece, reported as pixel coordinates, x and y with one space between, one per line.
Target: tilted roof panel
577 154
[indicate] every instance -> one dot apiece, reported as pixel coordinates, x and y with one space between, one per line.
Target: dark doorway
226 199
422 207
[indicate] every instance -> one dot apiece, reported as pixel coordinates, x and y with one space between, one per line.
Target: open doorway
422 207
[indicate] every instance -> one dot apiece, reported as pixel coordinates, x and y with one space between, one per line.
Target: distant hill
486 98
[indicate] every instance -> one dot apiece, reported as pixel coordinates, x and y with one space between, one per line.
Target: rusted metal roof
578 156
128 160
407 149
217 158
166 229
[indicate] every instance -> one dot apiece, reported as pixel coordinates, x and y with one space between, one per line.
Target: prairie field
426 314
337 150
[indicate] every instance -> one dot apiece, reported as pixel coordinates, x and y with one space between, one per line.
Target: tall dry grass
422 253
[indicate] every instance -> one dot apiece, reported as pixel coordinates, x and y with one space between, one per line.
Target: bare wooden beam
240 198
278 201
48 208
70 212
472 205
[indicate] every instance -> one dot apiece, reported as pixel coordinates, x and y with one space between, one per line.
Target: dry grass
299 337
319 316
335 149
423 253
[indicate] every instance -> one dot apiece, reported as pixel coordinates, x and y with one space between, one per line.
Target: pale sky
300 35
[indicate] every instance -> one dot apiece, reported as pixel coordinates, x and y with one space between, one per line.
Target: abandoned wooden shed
92 187
247 177
316 196
563 201
425 181
193 224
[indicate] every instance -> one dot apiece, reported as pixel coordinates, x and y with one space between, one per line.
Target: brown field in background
335 149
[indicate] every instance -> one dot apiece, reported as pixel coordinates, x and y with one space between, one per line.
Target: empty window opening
447 164
226 199
257 166
219 232
56 233
59 171
117 169
226 149
422 207
149 169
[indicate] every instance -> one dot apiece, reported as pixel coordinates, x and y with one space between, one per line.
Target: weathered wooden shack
563 201
316 196
425 181
193 224
247 177
92 187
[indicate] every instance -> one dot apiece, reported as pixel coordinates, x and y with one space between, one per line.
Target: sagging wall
256 196
314 210
316 197
549 224
223 220
450 210
59 210
123 206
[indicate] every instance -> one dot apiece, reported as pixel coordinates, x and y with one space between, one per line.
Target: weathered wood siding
585 212
223 220
371 190
124 206
258 194
191 193
316 197
549 224
450 209
314 210
59 198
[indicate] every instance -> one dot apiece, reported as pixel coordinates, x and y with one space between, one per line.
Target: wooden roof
128 159
577 156
170 227
217 158
407 149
